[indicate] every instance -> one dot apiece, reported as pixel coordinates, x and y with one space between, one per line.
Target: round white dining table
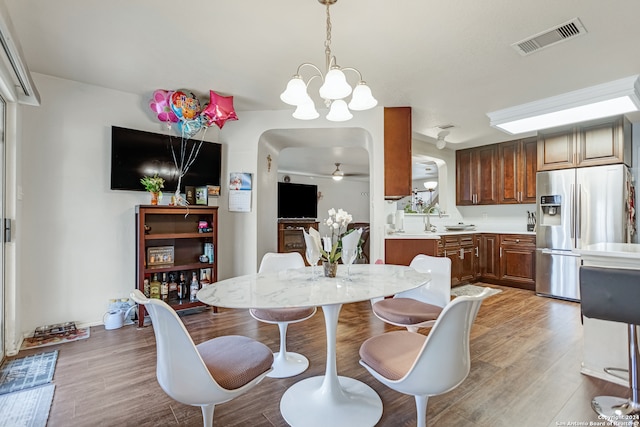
329 399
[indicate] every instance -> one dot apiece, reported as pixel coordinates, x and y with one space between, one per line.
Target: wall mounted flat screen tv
297 200
136 153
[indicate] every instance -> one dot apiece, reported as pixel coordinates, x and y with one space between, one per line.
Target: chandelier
334 88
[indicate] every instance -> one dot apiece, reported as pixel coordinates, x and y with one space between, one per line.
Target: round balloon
185 104
159 104
219 110
188 128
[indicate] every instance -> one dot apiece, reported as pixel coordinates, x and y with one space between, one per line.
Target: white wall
77 236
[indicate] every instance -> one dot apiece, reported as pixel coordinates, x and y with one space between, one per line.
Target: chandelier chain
327 42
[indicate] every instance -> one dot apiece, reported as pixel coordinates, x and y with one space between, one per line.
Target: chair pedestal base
288 365
619 411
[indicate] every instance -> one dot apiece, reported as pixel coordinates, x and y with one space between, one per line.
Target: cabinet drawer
518 239
467 241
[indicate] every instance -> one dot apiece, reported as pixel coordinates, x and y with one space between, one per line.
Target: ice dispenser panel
551 210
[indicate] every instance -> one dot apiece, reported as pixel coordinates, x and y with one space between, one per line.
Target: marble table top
294 288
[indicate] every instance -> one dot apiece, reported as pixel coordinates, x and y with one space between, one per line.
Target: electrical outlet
484 215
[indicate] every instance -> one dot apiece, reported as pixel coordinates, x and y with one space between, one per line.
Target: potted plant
331 246
154 185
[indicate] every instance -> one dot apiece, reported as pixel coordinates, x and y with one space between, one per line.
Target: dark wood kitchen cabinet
518 260
477 176
402 251
488 256
518 167
462 251
507 259
397 152
599 142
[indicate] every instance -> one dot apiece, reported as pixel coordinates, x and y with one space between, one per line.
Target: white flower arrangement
337 222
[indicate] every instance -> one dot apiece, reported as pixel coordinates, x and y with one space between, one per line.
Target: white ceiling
451 61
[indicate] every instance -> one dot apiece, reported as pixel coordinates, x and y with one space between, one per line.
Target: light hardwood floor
526 353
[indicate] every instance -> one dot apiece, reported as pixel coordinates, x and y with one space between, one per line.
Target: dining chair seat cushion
234 360
406 311
282 314
392 354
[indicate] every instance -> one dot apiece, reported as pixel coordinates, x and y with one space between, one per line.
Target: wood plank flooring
526 353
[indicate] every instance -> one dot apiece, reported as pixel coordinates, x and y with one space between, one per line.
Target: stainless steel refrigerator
576 208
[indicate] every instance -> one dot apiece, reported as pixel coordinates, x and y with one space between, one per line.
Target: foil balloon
185 105
160 104
219 110
188 128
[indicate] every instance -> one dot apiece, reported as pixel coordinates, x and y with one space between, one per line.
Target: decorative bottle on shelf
182 287
147 288
205 280
164 288
193 290
173 287
154 287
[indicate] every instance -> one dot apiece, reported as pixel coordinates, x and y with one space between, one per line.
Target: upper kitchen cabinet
397 152
599 142
518 167
476 176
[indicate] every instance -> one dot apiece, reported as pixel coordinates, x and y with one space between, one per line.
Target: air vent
561 33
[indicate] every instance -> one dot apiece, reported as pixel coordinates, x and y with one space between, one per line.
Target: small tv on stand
297 201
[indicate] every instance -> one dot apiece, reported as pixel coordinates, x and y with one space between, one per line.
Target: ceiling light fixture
337 174
431 185
604 100
440 142
333 90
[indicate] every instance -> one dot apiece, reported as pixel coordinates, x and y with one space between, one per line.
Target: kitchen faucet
428 227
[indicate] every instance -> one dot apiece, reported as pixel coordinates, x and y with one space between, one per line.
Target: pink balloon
219 110
159 104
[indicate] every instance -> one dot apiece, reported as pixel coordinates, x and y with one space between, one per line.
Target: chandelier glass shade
333 90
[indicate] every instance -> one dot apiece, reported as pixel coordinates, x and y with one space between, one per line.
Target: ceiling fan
337 174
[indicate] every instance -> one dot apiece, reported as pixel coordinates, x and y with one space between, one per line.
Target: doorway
271 144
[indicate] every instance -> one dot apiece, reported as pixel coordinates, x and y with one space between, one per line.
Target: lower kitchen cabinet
507 259
462 251
501 259
489 256
402 251
518 260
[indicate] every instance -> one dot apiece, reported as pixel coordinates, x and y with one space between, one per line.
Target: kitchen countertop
626 255
438 234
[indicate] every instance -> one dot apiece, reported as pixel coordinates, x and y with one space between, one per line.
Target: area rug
27 372
470 290
29 408
35 342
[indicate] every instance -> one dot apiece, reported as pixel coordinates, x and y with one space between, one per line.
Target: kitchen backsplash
498 218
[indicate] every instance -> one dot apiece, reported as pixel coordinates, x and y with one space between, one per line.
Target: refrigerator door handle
556 252
572 211
579 212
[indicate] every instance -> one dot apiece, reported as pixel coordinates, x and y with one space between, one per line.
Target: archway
270 144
